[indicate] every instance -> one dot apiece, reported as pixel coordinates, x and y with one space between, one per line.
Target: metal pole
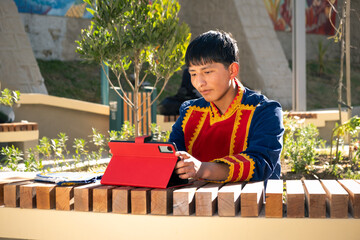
104 85
299 56
347 49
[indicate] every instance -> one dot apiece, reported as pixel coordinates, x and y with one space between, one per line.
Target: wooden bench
170 118
206 210
23 134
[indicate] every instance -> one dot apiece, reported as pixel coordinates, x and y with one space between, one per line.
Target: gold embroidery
233 135
186 118
252 166
215 115
252 108
241 168
198 127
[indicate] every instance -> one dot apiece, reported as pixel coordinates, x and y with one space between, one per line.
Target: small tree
141 34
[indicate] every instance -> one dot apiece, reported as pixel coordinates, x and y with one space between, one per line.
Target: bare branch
162 89
143 79
152 90
339 29
126 77
125 99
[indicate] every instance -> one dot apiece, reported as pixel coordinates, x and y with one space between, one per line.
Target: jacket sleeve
261 159
177 134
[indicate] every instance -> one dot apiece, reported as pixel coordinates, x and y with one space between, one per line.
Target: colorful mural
67 8
317 15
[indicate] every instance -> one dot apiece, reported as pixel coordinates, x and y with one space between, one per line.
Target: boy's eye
193 74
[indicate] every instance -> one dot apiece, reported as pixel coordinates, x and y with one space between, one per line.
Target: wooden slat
130 112
140 201
143 108
45 196
102 199
12 194
28 196
64 198
5 181
229 199
295 199
353 188
206 199
170 118
337 199
121 200
162 201
2 192
148 100
184 199
274 198
83 197
252 199
315 199
18 126
125 106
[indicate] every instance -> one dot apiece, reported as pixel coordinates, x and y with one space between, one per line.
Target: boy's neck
228 98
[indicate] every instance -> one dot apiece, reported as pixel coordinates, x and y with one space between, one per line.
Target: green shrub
300 144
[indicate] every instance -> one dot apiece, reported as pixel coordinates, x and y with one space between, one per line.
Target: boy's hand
188 166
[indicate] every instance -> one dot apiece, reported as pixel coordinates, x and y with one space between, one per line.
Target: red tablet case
142 164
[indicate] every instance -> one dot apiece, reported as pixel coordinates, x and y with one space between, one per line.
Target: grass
80 80
72 79
322 89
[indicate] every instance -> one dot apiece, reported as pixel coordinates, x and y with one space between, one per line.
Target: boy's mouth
205 92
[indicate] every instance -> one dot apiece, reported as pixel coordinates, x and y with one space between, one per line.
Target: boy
231 133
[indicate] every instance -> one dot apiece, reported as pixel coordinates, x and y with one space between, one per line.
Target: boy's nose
199 82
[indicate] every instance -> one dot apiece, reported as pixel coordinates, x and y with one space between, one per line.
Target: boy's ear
234 69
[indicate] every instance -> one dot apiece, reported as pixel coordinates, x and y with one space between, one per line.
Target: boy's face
214 81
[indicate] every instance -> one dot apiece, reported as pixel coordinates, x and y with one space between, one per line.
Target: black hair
212 46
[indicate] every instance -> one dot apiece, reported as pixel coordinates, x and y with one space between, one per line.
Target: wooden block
353 188
295 199
15 179
315 199
64 196
252 199
4 181
206 199
45 196
12 194
121 200
337 199
184 199
17 127
102 197
162 201
83 197
2 192
274 198
140 200
28 195
229 199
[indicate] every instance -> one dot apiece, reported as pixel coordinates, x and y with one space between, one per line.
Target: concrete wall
54 115
18 66
54 37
